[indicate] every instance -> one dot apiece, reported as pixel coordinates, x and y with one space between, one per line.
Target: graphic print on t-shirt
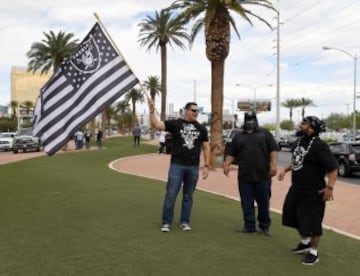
298 158
189 133
300 153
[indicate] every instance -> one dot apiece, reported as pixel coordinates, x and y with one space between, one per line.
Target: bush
7 125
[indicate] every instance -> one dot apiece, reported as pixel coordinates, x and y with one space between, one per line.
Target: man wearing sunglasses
304 205
189 137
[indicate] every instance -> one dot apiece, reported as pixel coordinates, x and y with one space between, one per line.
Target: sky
305 69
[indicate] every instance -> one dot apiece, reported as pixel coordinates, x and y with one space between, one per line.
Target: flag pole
119 52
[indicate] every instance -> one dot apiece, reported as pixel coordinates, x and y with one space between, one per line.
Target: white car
6 140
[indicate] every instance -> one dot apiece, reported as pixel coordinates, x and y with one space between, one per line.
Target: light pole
354 57
254 90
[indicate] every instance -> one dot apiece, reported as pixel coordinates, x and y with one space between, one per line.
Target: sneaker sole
306 250
165 230
317 260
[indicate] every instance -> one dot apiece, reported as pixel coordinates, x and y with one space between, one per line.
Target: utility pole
277 130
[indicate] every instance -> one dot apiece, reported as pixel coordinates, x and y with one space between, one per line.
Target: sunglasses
194 110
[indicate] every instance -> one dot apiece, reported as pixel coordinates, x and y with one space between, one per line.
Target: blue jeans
259 192
188 175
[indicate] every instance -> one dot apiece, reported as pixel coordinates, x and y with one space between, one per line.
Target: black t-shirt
187 139
252 151
310 165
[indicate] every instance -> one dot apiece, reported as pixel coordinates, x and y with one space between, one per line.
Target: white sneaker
185 227
165 228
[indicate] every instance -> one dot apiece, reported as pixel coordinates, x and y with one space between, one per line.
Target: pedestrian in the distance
99 137
162 139
79 139
136 134
87 139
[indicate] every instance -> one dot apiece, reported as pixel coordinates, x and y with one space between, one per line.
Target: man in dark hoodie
255 150
304 205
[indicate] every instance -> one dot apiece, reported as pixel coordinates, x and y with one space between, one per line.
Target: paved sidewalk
342 215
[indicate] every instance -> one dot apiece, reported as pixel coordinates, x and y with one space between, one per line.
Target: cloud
306 70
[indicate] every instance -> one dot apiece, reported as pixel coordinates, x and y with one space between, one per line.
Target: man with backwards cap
255 150
304 205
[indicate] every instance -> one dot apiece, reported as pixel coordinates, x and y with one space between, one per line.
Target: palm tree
51 51
291 104
135 95
28 106
304 102
152 84
14 106
157 31
214 16
108 114
123 108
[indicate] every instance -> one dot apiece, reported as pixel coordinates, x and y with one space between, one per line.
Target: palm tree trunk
103 120
216 144
152 130
303 112
163 81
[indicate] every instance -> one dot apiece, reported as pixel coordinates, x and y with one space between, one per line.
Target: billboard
259 105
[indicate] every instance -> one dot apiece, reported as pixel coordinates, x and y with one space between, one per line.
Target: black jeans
259 192
136 141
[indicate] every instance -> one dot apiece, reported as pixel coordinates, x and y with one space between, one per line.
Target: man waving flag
83 86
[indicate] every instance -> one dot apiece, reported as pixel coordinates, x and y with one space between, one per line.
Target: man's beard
299 133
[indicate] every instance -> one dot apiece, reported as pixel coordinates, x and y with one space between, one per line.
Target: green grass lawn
69 214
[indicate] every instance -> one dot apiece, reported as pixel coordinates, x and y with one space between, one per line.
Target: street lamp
254 90
354 57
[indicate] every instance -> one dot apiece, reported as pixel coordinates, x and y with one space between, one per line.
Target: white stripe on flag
86 83
83 102
103 100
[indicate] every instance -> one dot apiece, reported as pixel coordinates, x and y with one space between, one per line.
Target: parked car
25 141
347 155
287 141
6 140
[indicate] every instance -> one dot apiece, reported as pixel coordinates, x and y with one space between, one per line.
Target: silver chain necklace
299 155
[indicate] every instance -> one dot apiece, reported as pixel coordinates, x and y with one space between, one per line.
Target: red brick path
342 214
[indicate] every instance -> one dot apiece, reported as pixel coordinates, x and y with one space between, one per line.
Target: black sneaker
301 248
266 232
310 259
245 231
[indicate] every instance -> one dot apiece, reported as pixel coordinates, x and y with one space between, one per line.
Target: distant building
4 111
25 86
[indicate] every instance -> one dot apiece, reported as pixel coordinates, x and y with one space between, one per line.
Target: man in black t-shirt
188 139
255 150
304 205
